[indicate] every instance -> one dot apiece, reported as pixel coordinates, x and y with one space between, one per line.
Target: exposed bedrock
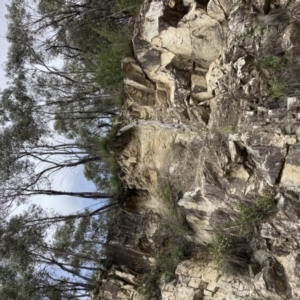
212 108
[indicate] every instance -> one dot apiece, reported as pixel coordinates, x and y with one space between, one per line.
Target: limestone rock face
197 37
111 288
291 171
169 43
212 109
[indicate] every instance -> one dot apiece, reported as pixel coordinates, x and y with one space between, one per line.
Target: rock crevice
211 111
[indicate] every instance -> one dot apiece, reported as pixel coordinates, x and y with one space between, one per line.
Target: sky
3 42
70 180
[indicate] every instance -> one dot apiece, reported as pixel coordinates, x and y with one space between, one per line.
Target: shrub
258 29
230 247
277 88
106 65
220 245
167 195
133 6
272 63
230 253
104 173
163 269
251 215
282 74
110 161
173 247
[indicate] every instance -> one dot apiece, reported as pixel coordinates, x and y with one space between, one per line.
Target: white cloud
69 181
66 180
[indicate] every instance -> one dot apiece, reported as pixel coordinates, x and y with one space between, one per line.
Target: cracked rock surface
212 107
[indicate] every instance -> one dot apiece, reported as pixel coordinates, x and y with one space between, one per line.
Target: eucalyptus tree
68 95
44 100
30 258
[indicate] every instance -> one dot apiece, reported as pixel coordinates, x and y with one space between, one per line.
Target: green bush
230 247
109 160
281 73
277 88
106 65
220 245
258 30
132 6
273 63
167 196
230 253
163 269
251 215
104 172
173 247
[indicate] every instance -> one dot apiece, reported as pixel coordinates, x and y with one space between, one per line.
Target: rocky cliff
212 110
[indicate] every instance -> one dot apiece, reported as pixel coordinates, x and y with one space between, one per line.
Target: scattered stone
211 287
194 283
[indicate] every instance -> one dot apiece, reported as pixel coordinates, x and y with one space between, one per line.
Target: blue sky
66 180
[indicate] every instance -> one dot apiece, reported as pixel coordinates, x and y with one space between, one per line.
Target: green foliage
251 215
163 269
227 129
167 196
118 101
230 246
132 6
272 63
108 179
258 30
219 246
77 241
173 221
275 63
24 259
277 88
82 97
173 248
106 65
275 66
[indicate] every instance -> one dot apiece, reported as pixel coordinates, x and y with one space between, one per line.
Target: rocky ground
212 110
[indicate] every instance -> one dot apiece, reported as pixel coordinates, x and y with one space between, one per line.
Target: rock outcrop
212 108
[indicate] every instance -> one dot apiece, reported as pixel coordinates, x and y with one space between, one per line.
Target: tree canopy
57 112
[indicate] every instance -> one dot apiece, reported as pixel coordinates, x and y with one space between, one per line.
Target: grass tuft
220 244
230 247
251 215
